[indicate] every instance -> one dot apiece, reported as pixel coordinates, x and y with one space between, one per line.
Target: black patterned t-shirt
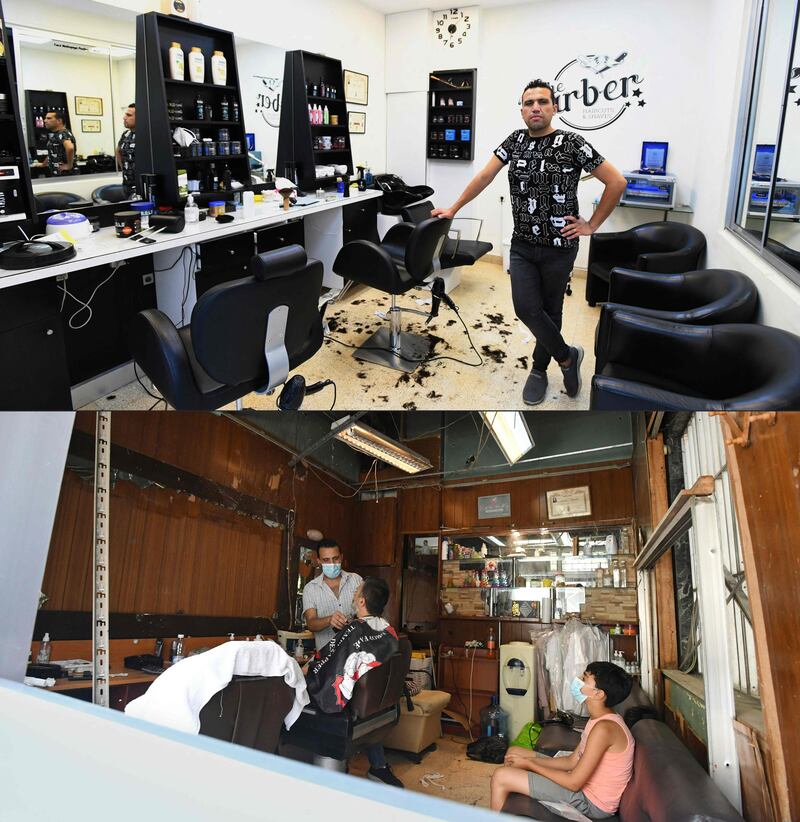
543 173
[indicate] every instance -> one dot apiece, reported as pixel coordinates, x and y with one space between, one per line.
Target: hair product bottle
197 65
176 62
219 69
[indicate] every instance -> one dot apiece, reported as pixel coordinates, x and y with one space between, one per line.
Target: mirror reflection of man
61 147
126 150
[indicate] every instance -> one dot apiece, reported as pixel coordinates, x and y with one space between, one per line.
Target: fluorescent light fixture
510 432
371 442
497 541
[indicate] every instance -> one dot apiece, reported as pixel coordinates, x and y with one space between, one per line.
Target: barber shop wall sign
268 100
595 90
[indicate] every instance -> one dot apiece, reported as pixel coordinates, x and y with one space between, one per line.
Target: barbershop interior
208 205
163 585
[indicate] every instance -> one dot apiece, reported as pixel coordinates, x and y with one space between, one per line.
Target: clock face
451 27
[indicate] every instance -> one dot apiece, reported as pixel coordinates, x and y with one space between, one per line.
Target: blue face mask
331 569
575 687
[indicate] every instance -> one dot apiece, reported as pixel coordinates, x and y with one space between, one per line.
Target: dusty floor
462 780
504 343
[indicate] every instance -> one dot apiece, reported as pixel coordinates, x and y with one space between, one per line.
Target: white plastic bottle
299 651
179 649
219 69
191 213
325 116
43 656
177 69
197 65
310 114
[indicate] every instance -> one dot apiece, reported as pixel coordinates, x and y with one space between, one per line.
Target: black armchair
708 297
112 193
245 335
653 364
407 255
663 248
369 716
57 200
455 251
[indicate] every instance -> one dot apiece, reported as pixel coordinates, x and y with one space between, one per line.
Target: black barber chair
406 257
397 195
248 711
112 193
652 364
368 717
456 251
57 200
709 297
663 248
245 335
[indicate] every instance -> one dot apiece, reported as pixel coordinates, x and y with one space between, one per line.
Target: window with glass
765 207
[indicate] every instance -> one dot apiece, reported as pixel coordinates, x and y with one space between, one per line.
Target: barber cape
176 698
359 647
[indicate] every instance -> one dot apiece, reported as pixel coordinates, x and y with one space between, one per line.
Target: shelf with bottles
214 158
209 123
190 84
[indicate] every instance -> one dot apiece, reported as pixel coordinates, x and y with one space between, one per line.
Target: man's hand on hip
338 621
578 227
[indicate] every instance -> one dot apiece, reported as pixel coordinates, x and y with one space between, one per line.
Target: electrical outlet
473 643
148 279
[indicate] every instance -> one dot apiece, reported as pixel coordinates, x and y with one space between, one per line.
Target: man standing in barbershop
544 167
328 606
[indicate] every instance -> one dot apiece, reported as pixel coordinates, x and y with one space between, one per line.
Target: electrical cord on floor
149 393
471 669
85 306
424 360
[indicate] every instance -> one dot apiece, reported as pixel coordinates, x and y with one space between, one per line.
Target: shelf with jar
507 575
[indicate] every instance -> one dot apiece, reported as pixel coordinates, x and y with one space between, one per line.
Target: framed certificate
91 106
91 126
357 122
356 87
569 502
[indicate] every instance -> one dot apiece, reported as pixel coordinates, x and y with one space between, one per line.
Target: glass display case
536 575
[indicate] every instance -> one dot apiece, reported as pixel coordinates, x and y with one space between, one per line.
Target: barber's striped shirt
317 594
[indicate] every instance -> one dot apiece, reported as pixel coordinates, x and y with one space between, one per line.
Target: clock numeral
460 40
437 29
469 25
440 22
466 18
440 37
464 33
453 11
451 45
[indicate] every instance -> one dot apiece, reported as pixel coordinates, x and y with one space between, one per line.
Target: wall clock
451 27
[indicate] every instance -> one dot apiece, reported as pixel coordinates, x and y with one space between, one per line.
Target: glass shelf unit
510 575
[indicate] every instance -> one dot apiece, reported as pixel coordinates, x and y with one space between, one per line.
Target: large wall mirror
73 91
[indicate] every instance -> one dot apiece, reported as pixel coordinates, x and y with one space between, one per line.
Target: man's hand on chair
446 213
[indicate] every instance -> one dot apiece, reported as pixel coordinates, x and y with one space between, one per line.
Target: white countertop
104 247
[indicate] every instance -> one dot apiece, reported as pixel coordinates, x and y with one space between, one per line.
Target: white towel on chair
176 698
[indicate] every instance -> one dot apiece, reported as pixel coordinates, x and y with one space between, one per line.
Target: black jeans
539 277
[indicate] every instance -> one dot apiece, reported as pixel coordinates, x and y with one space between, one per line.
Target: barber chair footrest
377 349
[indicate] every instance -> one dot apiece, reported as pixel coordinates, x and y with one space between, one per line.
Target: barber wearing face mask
328 599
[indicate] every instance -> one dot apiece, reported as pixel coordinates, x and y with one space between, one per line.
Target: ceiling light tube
371 442
510 432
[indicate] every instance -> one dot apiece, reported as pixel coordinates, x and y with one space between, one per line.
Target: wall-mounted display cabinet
451 114
540 575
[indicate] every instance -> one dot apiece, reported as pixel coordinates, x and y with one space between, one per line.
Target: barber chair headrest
278 263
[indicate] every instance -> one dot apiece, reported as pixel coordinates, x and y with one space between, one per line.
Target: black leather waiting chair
112 193
371 713
248 711
787 254
708 297
663 248
244 336
456 251
652 364
58 200
404 259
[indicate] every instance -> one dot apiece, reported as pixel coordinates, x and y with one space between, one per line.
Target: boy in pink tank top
593 778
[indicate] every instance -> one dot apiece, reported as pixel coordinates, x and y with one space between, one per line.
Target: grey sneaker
572 374
535 388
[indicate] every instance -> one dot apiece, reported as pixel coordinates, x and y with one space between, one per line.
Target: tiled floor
505 346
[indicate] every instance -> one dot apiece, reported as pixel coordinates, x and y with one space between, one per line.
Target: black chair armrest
612 394
398 233
368 263
669 262
612 245
157 347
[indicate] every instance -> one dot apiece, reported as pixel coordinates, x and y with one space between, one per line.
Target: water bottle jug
494 720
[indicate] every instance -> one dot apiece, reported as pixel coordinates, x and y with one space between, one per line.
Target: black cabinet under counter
360 221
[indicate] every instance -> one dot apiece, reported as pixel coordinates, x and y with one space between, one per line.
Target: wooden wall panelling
376 541
765 480
419 510
611 491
